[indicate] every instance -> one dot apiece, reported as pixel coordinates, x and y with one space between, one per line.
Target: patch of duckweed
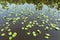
9 30
47 36
3 34
23 28
28 33
2 30
10 38
34 34
38 20
46 28
14 34
10 33
4 17
39 31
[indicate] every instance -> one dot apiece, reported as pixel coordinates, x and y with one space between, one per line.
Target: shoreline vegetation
32 1
37 3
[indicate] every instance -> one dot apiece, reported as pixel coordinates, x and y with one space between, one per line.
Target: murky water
29 12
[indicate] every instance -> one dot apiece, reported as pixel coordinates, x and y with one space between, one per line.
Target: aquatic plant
33 22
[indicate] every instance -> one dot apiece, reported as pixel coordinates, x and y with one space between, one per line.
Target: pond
28 21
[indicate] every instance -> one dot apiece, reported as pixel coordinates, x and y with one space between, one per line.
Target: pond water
15 16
